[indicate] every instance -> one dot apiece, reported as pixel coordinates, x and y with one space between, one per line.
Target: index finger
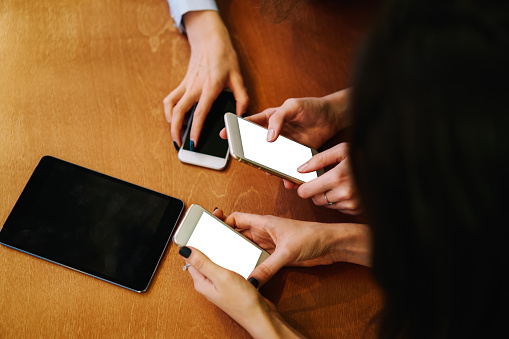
328 157
223 133
279 117
240 94
200 114
262 118
171 100
179 112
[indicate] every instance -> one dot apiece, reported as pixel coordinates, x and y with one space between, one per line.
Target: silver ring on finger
327 200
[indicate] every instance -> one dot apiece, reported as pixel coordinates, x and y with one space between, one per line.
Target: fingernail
254 282
302 167
215 208
244 115
176 146
185 251
270 134
191 145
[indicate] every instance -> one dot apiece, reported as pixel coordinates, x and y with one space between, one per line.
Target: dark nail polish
215 208
191 145
176 146
244 115
254 282
185 251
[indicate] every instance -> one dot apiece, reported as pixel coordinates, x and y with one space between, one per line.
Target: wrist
283 329
351 243
261 322
270 324
339 107
201 26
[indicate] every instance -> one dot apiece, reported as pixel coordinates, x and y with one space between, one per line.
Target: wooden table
84 81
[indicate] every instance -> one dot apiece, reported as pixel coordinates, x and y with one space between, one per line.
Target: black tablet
92 223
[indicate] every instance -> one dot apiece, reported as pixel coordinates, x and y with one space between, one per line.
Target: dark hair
430 154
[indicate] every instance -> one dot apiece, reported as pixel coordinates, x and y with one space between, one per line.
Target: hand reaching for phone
310 121
212 67
335 188
313 121
235 296
300 243
293 242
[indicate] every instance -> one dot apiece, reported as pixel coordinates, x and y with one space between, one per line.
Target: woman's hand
301 243
212 67
335 188
235 296
310 121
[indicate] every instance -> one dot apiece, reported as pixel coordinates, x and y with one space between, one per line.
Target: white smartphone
211 151
219 242
248 143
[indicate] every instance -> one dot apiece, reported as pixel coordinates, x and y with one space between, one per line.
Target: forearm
349 243
268 323
202 26
284 330
339 106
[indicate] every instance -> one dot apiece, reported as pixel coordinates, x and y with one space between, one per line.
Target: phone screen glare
283 155
224 247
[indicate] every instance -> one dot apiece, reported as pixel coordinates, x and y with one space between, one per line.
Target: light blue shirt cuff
180 7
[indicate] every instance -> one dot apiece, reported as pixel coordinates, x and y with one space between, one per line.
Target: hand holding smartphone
219 242
248 144
211 151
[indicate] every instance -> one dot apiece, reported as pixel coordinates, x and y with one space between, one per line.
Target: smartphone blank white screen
283 155
223 246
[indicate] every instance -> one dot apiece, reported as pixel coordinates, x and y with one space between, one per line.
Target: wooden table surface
84 81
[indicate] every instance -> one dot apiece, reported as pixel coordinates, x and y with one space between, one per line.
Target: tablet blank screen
93 223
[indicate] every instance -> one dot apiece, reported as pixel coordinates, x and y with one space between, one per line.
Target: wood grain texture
84 81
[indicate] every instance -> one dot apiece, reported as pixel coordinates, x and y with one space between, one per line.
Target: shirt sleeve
180 7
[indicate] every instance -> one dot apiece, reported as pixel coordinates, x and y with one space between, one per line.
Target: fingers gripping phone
219 242
211 151
248 144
